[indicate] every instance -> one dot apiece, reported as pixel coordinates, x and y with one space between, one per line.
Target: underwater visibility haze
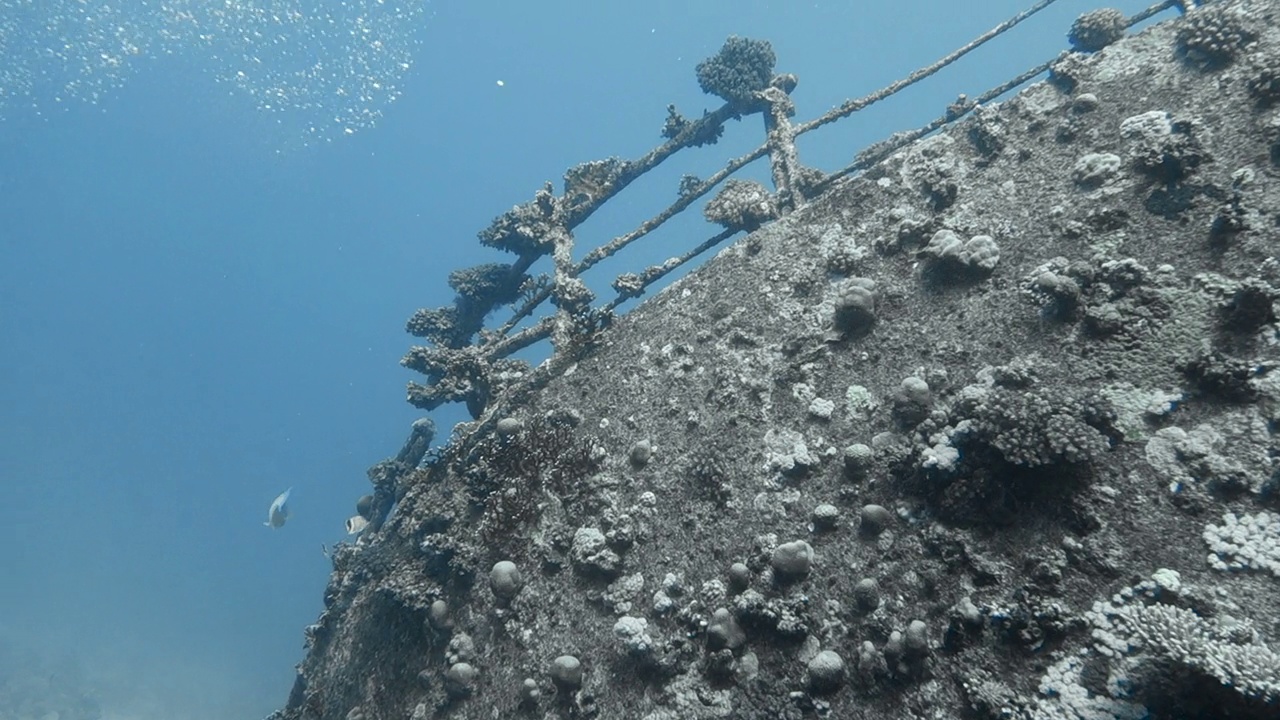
214 220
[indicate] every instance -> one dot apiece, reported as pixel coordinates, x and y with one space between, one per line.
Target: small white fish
356 524
279 511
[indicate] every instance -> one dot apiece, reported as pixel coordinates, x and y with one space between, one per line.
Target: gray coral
1211 37
855 306
1013 445
1165 147
738 71
741 205
524 229
1097 29
1264 81
1033 429
947 258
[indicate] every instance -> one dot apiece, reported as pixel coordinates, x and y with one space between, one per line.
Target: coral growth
741 205
1097 29
742 68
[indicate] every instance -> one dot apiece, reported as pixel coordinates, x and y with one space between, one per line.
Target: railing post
782 142
569 293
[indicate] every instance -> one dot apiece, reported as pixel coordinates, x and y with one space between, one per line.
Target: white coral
1249 542
1067 699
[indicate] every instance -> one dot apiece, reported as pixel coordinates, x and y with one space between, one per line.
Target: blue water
198 309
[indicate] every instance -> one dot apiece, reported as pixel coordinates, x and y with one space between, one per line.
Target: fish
279 510
356 524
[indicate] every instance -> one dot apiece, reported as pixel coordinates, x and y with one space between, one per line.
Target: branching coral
1009 444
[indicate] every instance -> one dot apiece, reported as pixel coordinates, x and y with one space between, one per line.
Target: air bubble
314 59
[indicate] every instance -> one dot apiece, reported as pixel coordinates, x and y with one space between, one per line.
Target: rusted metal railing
464 361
